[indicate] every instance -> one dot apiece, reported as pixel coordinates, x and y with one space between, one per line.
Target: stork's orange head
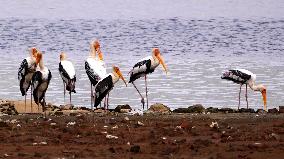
157 54
117 71
96 45
34 52
62 56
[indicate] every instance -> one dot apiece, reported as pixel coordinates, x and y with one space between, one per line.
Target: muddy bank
107 135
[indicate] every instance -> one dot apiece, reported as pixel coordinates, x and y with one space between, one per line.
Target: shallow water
197 49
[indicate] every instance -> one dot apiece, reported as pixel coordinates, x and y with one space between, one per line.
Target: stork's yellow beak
121 76
160 58
264 98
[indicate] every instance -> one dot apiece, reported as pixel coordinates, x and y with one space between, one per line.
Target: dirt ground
236 135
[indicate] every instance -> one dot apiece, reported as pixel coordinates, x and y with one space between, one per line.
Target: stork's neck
41 65
253 86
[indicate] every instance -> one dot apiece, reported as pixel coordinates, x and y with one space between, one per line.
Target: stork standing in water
26 72
105 85
68 75
242 76
145 66
95 66
40 82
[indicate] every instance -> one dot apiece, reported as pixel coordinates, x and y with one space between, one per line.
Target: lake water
198 39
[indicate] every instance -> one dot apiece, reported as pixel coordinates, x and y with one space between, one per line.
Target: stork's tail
71 85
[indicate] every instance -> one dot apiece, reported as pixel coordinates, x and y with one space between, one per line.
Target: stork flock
33 73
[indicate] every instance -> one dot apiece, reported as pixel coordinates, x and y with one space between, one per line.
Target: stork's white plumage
243 76
145 66
68 75
40 82
26 72
95 66
105 85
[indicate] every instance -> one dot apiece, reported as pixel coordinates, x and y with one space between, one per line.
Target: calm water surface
196 49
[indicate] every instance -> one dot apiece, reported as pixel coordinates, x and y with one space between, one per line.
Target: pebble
140 123
111 137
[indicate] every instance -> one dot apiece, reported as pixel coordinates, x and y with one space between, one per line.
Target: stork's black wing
139 69
91 75
236 76
103 87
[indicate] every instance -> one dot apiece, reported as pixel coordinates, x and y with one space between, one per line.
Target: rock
273 111
124 107
244 110
227 110
160 108
135 149
274 136
58 113
126 118
111 137
67 107
214 125
99 110
212 110
197 108
84 108
140 123
281 109
181 110
125 110
261 111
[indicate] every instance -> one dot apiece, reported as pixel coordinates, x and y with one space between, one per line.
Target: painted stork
95 66
145 66
68 75
242 76
105 85
25 73
40 82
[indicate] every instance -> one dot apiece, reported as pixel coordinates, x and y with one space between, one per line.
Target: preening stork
242 76
40 82
105 85
95 66
68 75
26 72
145 66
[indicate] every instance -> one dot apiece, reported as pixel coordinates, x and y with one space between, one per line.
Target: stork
25 73
68 75
145 66
95 66
40 82
105 85
242 76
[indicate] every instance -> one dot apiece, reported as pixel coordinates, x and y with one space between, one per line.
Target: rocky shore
193 132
